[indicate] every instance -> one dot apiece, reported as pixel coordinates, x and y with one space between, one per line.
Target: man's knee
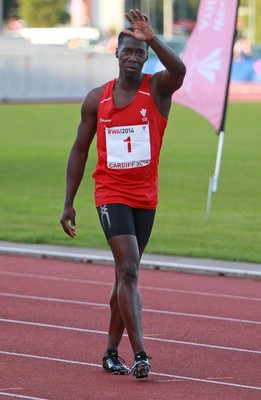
128 273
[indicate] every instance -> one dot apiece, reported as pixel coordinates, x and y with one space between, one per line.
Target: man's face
132 55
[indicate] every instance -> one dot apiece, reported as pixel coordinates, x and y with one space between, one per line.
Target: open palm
142 28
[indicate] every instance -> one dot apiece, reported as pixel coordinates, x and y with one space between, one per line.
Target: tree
186 9
43 13
258 21
10 8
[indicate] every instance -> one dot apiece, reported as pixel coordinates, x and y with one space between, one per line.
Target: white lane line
19 396
152 373
149 310
158 289
38 324
66 328
241 321
8 353
210 346
52 299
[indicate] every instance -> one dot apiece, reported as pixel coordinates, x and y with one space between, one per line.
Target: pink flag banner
207 57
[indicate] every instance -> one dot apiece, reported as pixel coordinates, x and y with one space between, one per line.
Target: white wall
37 73
108 14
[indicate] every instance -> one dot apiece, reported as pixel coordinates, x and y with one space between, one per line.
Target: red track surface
203 333
245 91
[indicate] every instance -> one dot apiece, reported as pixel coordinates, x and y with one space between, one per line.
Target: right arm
78 157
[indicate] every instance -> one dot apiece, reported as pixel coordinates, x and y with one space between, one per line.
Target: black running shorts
120 219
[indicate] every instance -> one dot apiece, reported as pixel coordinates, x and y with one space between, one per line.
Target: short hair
122 35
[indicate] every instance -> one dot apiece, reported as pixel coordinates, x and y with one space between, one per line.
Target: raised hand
140 23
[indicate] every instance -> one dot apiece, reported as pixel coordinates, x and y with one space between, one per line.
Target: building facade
107 15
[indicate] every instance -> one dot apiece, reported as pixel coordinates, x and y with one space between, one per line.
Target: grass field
35 142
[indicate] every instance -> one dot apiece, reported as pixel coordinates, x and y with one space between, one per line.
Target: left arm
171 79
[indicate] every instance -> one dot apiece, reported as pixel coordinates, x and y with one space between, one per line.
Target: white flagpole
218 162
213 180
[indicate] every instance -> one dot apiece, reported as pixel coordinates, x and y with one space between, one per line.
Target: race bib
128 146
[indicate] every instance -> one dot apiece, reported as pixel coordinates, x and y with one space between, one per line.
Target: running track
203 333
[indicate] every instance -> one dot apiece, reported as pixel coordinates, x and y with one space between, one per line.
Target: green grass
35 142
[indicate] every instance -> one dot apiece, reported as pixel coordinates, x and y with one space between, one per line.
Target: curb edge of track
246 271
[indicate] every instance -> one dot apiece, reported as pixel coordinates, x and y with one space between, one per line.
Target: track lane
46 341
182 368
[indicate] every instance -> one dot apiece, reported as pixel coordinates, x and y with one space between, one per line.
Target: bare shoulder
91 100
88 122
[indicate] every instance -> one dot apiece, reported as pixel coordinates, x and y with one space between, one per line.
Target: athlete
128 115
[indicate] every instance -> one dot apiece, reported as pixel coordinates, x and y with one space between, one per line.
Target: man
129 115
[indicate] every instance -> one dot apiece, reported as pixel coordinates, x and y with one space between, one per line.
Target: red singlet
129 140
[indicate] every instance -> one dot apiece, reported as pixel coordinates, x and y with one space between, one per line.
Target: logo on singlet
143 112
